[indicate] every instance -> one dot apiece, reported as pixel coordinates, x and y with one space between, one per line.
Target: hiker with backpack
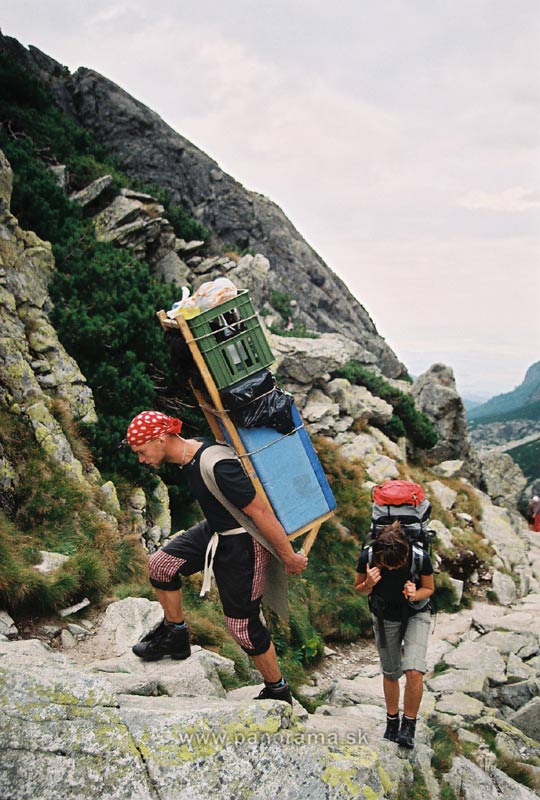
395 572
241 542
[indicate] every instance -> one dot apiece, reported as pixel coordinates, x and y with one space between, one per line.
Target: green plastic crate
231 340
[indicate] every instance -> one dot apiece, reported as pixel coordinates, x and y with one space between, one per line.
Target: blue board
291 474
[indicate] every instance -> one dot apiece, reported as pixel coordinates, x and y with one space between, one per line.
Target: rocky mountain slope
149 149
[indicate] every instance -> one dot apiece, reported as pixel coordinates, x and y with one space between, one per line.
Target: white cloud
514 200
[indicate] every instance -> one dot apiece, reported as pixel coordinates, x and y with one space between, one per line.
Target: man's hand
373 576
409 591
295 563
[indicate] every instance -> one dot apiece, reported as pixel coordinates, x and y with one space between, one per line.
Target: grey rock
381 468
474 655
435 393
460 704
469 681
91 192
504 587
358 402
172 269
516 695
470 782
518 669
527 719
497 526
50 562
443 494
449 469
7 626
65 612
502 478
67 639
306 360
522 645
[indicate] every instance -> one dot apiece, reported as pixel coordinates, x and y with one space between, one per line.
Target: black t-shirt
232 481
390 587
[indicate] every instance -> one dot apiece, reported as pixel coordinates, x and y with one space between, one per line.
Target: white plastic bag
213 293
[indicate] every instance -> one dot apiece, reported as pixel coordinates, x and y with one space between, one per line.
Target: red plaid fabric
150 425
163 567
262 560
239 631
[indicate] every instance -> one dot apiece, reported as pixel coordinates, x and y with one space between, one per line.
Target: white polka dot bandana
150 425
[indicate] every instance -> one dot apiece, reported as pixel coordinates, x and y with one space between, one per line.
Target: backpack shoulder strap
370 556
417 562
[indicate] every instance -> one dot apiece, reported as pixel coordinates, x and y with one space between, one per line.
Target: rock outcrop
435 393
35 369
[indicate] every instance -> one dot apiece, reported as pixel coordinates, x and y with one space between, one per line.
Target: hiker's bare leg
414 688
171 603
267 664
391 695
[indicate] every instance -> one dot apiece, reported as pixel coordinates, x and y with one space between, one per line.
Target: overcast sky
401 137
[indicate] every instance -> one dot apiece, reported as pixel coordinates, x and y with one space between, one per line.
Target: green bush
105 300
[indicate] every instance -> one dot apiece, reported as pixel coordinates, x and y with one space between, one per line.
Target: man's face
151 453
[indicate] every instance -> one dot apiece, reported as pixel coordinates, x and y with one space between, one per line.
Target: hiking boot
163 641
405 737
392 729
283 693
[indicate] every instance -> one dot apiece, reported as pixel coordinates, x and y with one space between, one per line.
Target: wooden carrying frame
213 410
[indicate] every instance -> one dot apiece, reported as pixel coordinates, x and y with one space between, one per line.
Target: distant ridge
517 402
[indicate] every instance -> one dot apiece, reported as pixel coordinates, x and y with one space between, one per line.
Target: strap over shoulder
276 591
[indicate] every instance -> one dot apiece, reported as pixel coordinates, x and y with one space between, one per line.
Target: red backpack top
398 493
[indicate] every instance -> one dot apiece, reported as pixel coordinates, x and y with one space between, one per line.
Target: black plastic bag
181 357
257 402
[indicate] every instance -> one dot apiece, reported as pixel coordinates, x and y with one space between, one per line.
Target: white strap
211 548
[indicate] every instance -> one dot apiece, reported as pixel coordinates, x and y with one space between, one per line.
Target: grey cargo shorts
397 657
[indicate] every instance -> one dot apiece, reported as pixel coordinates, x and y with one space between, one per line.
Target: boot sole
176 657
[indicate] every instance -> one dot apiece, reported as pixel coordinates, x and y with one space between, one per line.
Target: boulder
527 719
7 626
497 526
358 402
449 469
475 655
50 562
381 468
90 193
444 495
468 681
306 360
436 395
470 782
460 704
502 478
504 587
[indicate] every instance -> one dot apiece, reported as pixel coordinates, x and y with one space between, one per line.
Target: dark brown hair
391 548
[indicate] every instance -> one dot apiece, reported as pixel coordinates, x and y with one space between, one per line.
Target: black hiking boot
164 641
406 733
283 693
392 728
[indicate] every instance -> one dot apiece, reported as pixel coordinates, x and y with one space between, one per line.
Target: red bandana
150 425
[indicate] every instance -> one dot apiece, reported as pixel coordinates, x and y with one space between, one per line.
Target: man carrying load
221 543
